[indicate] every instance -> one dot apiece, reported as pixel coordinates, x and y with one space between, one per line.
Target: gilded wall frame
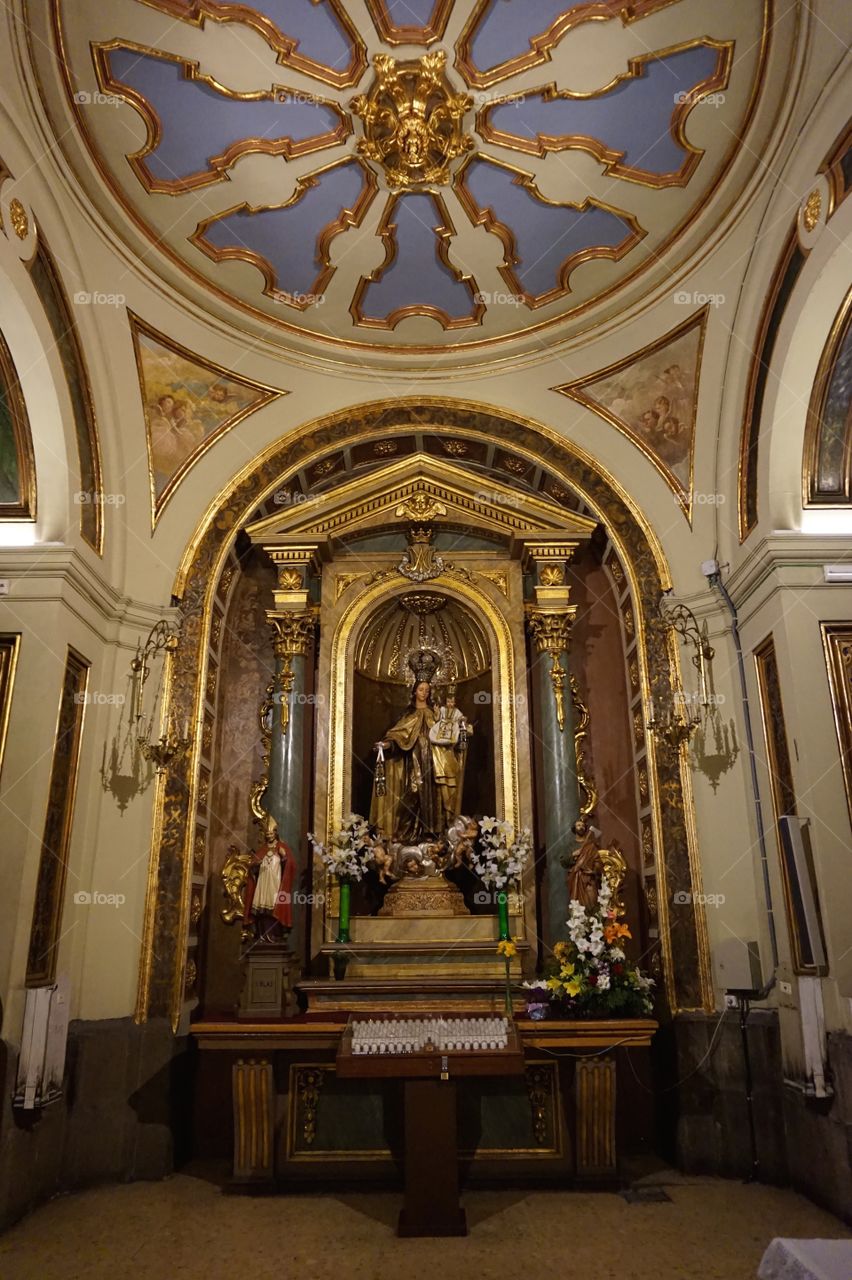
25 506
10 646
783 280
684 940
782 785
57 309
837 646
812 494
56 839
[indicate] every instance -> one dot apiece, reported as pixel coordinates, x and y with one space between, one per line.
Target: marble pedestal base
268 983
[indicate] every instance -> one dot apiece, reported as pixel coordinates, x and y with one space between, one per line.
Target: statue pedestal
268 983
423 934
424 896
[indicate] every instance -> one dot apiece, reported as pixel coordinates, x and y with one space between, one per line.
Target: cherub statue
461 839
411 863
382 860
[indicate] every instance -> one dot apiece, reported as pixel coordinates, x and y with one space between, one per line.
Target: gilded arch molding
165 960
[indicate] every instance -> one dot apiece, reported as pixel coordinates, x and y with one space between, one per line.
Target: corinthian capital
551 628
294 631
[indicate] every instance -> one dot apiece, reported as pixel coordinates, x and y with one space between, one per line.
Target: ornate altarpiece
371 558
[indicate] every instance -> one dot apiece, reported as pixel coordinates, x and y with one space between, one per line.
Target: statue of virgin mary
408 807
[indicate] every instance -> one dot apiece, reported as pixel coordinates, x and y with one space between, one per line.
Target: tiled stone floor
185 1228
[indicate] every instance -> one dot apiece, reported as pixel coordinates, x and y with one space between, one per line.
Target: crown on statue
424 663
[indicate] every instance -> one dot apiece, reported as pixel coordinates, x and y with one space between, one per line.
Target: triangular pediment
453 495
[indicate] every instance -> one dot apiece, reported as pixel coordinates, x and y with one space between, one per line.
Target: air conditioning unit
41 1066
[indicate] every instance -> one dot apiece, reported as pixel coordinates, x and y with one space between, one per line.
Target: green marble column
551 633
284 795
284 792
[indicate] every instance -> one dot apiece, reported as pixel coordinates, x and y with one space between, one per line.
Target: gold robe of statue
410 809
448 760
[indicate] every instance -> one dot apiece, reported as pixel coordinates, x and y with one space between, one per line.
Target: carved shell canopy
400 625
545 154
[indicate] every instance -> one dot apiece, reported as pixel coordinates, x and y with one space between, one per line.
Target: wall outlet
731 1002
4 586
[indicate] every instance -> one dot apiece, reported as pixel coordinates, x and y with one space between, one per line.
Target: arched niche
306 462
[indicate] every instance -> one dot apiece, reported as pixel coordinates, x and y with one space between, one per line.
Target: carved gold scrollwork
345 581
293 634
557 679
499 577
421 508
309 1081
413 121
286 682
587 787
812 210
614 870
264 717
551 632
234 876
538 1082
18 217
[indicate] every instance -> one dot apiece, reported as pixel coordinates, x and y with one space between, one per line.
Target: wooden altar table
262 1056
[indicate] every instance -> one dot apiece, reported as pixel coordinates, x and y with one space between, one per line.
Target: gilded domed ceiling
411 173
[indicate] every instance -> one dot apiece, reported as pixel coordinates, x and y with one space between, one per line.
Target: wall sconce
675 718
162 639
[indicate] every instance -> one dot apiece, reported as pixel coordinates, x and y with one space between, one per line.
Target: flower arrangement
538 995
500 854
351 849
590 974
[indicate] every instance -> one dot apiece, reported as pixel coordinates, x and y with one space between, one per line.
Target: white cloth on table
787 1259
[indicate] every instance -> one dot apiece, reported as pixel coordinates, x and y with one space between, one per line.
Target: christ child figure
448 737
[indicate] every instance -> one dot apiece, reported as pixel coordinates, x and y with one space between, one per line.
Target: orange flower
612 932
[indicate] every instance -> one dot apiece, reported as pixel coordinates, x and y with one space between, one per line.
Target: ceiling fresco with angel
412 173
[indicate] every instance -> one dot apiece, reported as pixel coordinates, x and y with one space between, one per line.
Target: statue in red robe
269 885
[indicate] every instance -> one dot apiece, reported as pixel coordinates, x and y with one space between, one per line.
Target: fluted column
550 619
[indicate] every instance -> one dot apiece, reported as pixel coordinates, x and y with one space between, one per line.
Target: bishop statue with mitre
269 885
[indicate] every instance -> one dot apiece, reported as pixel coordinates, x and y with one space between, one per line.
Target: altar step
387 958
477 994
